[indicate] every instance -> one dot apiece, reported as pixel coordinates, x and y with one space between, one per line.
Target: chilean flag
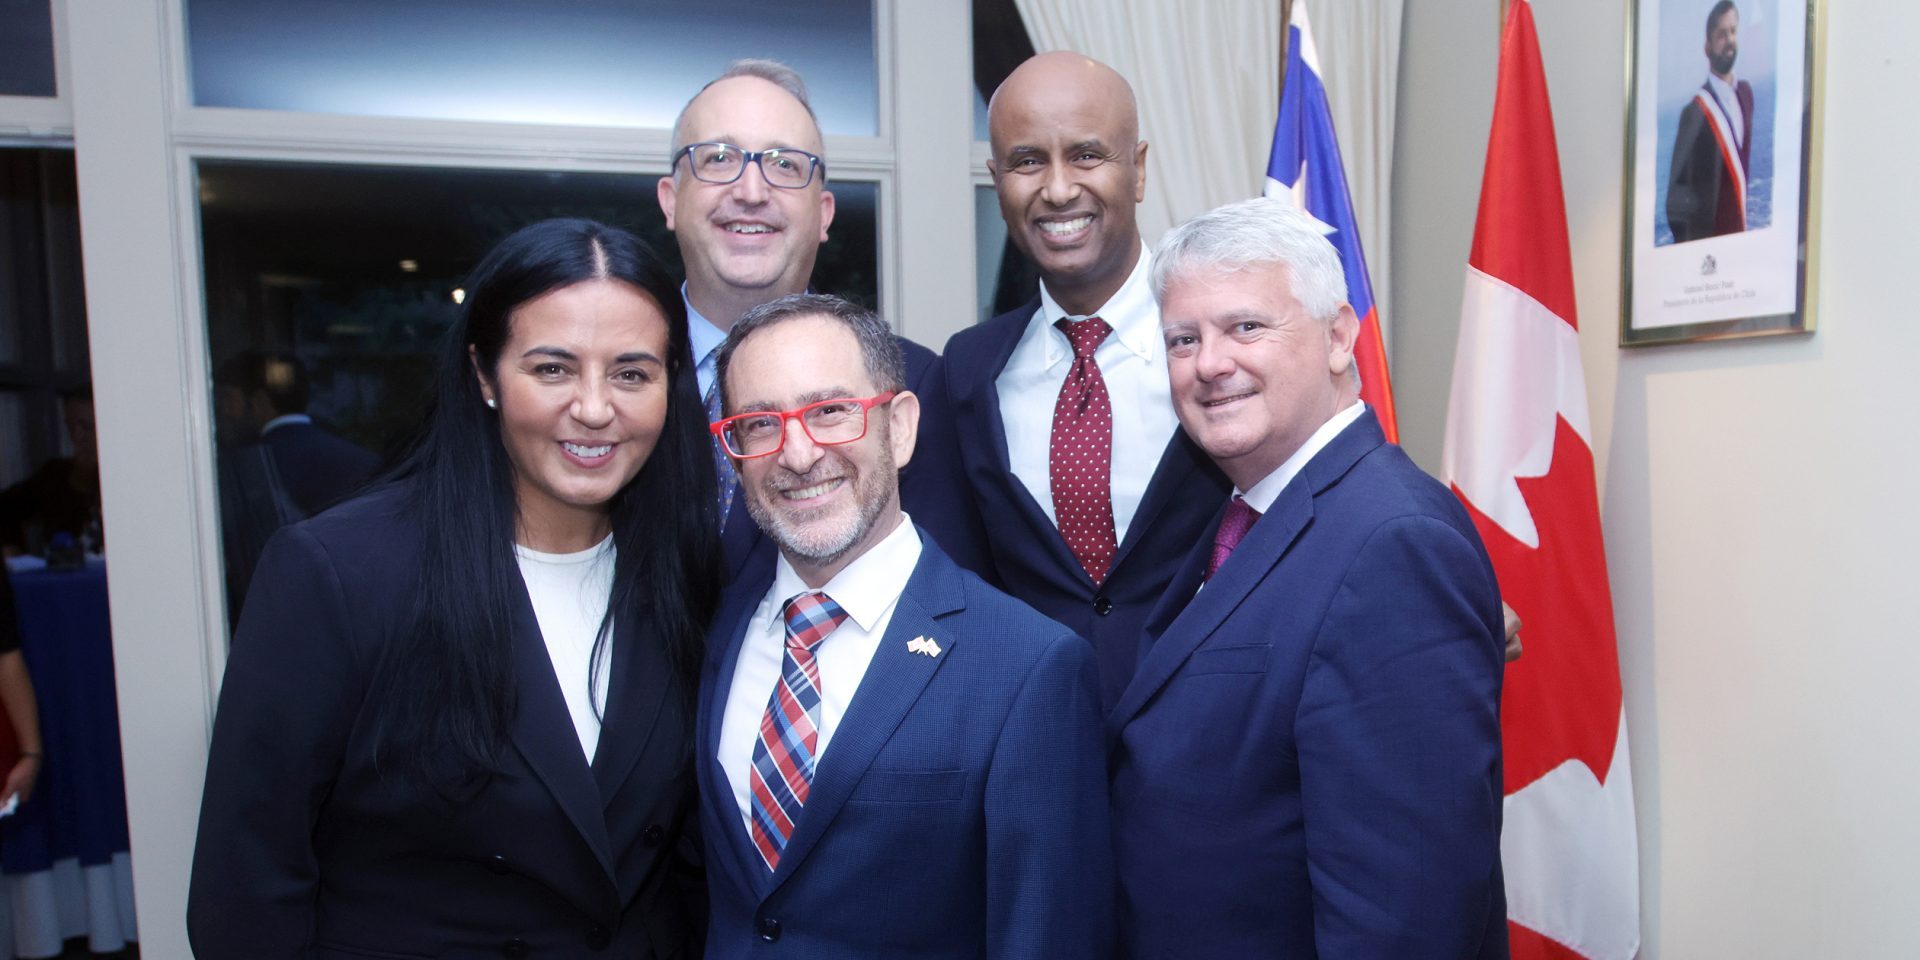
1305 165
1519 455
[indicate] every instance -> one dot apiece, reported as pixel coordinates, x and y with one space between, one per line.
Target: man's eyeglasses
783 167
827 423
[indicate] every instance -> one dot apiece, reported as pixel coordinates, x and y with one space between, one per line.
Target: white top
1729 105
1132 361
868 589
1264 493
570 593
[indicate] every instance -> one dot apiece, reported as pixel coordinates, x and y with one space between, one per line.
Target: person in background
1707 178
1307 762
748 203
263 397
896 759
1066 430
456 719
17 699
63 496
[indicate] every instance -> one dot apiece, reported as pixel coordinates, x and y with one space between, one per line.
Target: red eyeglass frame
718 427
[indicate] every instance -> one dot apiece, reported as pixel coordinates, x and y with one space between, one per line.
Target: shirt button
769 929
1102 606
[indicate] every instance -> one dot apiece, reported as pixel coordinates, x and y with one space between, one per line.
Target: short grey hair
772 71
880 350
1257 233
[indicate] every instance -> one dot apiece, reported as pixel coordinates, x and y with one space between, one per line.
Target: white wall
1757 495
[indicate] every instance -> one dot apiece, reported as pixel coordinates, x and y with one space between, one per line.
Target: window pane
26 48
1007 278
350 271
592 62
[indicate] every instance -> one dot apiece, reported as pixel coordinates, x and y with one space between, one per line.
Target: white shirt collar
1130 312
1264 493
702 336
867 587
283 420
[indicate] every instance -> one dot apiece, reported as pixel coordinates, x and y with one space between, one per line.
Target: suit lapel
893 682
638 686
543 733
724 642
1256 556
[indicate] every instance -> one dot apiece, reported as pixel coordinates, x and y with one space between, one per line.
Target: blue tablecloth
79 807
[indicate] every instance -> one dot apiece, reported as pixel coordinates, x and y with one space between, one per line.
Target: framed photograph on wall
1722 151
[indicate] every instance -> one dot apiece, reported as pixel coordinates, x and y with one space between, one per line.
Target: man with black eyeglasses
747 200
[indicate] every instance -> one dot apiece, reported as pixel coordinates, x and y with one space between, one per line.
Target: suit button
598 937
1102 606
515 948
654 835
498 864
769 929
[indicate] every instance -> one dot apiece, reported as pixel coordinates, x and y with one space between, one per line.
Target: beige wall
1758 497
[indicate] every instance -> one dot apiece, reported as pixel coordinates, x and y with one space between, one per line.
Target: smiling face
1723 42
824 505
581 388
746 242
1253 375
1069 168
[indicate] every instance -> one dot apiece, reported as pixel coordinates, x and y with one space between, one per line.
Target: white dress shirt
570 592
868 589
1132 361
1264 493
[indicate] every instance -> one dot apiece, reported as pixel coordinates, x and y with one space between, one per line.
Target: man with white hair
1307 761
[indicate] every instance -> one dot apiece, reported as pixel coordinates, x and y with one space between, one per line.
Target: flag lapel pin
925 645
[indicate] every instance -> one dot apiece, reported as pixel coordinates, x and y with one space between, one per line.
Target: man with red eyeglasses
748 204
895 759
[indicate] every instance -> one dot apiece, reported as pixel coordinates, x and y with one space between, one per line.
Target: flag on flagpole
1305 165
1519 454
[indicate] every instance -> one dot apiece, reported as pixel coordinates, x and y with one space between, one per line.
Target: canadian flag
1519 455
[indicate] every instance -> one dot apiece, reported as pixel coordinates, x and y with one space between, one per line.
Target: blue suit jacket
1028 556
931 489
309 848
960 811
1307 763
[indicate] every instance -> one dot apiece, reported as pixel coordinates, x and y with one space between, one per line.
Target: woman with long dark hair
456 720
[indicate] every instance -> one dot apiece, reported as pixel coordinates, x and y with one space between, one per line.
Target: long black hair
443 695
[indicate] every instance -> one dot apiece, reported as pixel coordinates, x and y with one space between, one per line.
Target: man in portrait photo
1707 179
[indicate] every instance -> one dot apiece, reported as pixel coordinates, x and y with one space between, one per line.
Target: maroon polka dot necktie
1080 453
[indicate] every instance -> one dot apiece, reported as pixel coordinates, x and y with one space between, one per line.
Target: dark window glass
26 48
594 62
351 272
43 320
1000 43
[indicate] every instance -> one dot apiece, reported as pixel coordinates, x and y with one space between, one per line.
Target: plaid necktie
725 479
1080 453
784 755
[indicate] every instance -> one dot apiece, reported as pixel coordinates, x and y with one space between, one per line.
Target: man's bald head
1069 166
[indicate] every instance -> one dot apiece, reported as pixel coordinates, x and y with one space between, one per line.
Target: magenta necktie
1233 529
781 775
1080 453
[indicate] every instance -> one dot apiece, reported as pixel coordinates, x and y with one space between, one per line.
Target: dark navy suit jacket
960 811
931 488
1028 556
306 849
1307 763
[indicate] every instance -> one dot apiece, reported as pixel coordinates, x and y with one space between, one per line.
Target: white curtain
1207 75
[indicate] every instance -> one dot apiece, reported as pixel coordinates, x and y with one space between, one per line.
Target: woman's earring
493 404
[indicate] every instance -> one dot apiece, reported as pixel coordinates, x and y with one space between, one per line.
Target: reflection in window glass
562 61
26 48
343 278
43 321
1007 278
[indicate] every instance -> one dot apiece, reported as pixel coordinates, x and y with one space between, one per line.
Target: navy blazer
1307 763
307 850
960 811
1029 557
931 489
